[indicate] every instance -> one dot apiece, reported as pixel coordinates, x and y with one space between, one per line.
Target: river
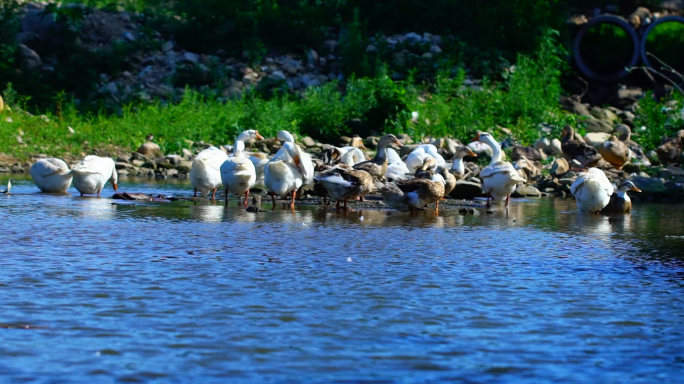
193 292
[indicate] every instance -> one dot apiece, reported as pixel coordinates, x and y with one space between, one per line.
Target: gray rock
466 190
312 57
468 211
174 159
372 142
559 167
167 47
308 142
187 154
671 171
43 25
542 144
530 153
278 76
191 58
121 165
30 58
596 125
532 191
555 147
596 138
150 149
651 186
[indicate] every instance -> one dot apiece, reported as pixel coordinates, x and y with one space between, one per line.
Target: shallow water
193 292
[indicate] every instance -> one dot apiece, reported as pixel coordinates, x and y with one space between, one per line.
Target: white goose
416 158
592 190
396 168
205 174
282 175
238 173
51 175
499 178
92 173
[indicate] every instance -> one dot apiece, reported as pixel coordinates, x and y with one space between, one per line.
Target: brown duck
378 165
411 195
620 201
615 152
671 148
574 147
343 184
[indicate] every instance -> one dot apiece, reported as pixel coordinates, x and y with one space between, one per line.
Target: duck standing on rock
238 174
51 175
592 190
574 148
615 152
636 151
378 165
92 173
441 174
620 201
671 149
499 178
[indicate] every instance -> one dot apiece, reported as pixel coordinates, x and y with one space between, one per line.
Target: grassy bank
447 106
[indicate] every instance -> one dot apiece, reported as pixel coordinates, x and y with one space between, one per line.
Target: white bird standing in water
9 187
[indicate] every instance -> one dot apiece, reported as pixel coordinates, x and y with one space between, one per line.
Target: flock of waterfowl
345 174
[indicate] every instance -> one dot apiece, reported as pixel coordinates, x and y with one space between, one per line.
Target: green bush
656 120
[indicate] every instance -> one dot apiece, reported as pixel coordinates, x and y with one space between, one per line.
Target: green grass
527 96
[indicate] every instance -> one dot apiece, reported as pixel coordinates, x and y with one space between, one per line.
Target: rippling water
187 292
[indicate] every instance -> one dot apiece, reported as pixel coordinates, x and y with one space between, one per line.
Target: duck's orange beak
297 160
399 144
470 152
635 189
116 188
477 138
258 136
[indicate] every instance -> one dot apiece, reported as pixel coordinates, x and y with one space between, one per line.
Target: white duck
205 174
458 168
499 178
396 168
259 159
9 187
592 190
238 173
416 158
353 154
92 173
51 175
282 175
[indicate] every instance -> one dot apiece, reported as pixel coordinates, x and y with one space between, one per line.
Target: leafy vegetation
511 46
657 120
